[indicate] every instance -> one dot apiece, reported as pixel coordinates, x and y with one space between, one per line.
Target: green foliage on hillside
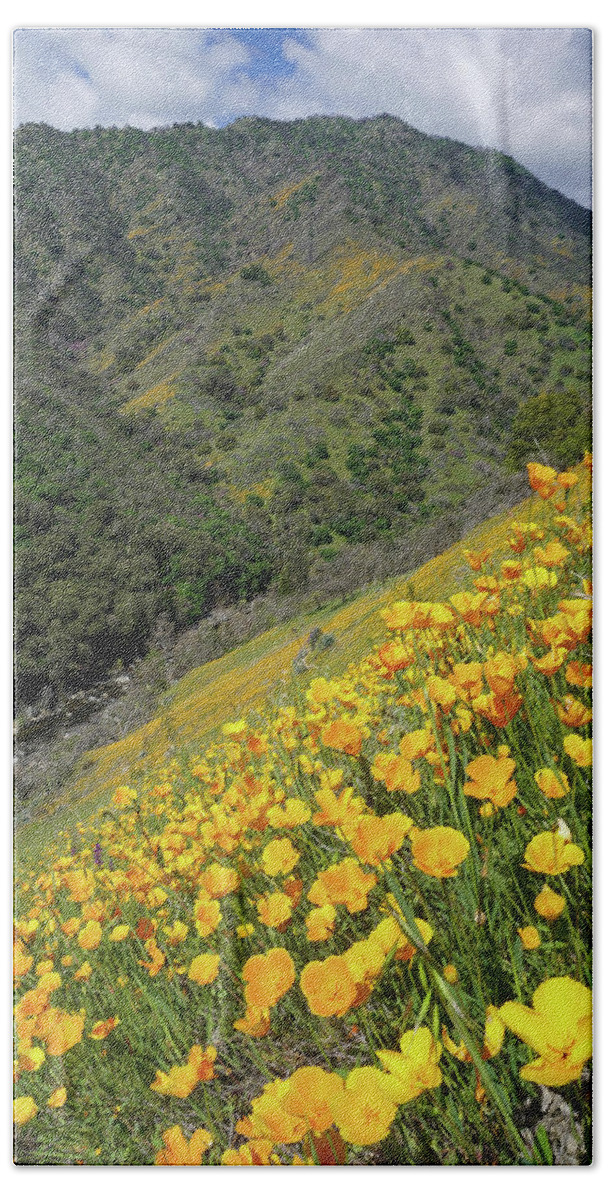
238 350
556 423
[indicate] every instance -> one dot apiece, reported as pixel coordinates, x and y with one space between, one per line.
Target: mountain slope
239 350
257 676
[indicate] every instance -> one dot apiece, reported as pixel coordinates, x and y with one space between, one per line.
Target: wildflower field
357 932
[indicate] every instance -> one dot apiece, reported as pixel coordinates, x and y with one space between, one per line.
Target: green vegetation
239 350
556 423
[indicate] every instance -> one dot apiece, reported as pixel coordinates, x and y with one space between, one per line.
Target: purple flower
97 854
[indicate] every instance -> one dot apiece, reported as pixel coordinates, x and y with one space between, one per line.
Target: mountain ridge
238 350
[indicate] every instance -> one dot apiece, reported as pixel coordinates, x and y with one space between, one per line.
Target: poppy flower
269 1117
438 851
552 783
543 480
549 853
268 977
476 558
416 744
204 968
275 909
90 936
118 933
24 1109
396 773
376 839
558 1028
207 915
255 1023
60 1030
312 1092
363 1110
548 904
511 569
499 710
320 923
180 1151
553 554
490 779
471 607
550 663
530 937
255 1153
22 961
579 749
414 1067
218 880
343 734
344 883
536 578
328 986
572 713
182 1080
279 857
396 656
579 674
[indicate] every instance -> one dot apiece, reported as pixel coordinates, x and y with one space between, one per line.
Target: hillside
239 351
363 911
251 680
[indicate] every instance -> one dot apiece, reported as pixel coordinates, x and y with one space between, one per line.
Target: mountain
240 350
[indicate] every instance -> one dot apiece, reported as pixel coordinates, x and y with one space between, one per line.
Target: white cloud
525 92
78 77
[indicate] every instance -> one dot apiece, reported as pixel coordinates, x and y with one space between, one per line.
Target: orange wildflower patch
542 480
498 710
395 771
343 734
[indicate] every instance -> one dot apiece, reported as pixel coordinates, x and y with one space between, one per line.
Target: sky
526 92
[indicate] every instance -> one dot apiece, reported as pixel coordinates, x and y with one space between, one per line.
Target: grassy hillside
354 927
240 350
253 679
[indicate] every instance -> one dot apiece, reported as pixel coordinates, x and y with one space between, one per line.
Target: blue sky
523 91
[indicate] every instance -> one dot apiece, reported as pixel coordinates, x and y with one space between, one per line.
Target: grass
247 678
354 926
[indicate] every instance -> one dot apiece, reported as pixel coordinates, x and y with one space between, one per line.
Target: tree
553 425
